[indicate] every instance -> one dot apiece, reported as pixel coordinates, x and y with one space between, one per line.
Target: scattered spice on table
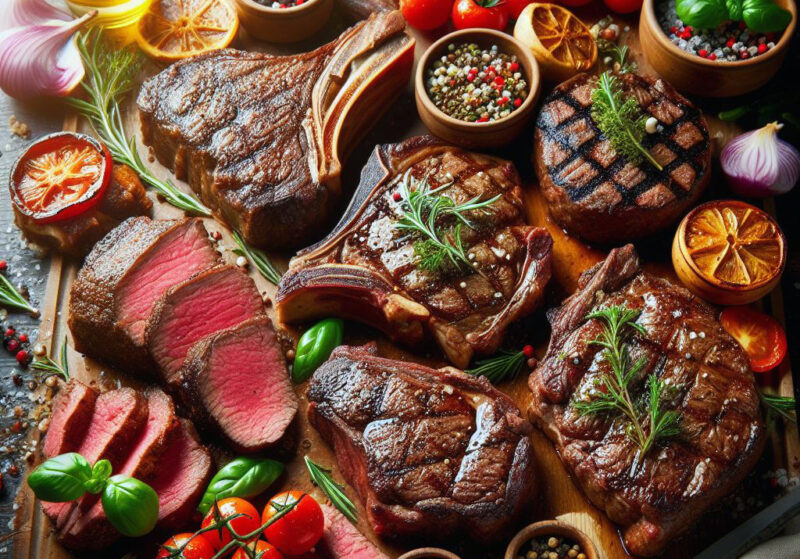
474 84
551 547
730 42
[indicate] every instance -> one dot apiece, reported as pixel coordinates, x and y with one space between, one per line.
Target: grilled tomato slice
761 336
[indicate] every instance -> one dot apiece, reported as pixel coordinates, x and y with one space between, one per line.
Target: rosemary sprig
259 259
621 120
505 365
11 297
645 426
321 477
778 406
439 249
110 74
618 54
49 367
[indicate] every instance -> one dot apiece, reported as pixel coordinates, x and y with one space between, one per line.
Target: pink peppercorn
3 265
517 102
762 48
396 197
12 346
22 357
528 351
703 53
23 338
712 56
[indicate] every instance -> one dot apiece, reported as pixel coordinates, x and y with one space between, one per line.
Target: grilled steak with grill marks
367 269
591 190
709 383
430 452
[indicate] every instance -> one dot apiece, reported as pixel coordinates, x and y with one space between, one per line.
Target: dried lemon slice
174 29
561 43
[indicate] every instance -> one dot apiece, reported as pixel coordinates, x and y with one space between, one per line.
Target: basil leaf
703 14
734 9
763 16
242 477
130 505
61 478
315 346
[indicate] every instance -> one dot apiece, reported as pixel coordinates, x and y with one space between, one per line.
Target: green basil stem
242 477
315 346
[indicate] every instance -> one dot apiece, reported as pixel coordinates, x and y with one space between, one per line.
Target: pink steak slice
72 412
342 540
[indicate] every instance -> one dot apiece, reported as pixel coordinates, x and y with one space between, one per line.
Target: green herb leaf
618 54
61 478
243 477
315 346
504 365
10 297
764 16
259 259
130 505
621 120
778 406
702 14
49 367
321 478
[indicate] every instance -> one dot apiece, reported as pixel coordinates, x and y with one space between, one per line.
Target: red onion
758 164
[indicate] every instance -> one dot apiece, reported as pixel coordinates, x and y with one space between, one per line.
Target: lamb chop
706 386
368 269
261 138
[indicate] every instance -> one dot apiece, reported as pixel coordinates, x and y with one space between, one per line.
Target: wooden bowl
284 25
551 528
478 134
429 553
693 74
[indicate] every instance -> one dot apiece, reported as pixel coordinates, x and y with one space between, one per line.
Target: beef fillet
430 452
69 420
592 190
709 382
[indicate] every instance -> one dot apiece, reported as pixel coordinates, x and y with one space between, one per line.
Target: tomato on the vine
261 549
426 14
196 548
242 525
760 335
623 6
298 530
490 14
515 7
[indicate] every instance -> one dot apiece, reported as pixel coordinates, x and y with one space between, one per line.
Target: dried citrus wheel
729 251
174 29
560 42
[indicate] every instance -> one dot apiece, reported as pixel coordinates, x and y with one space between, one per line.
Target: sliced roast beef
181 485
236 382
213 300
90 529
431 452
69 420
342 540
121 280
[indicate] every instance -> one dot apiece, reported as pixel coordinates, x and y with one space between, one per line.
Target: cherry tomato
623 6
426 14
761 336
262 550
197 548
300 529
515 7
241 525
480 13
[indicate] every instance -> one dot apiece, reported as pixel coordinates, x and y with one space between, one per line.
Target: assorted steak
595 192
367 269
260 138
430 452
71 413
656 497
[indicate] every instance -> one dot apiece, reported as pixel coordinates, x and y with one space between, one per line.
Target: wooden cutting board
558 497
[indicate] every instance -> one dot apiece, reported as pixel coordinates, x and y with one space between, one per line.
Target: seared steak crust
367 269
710 384
592 190
430 452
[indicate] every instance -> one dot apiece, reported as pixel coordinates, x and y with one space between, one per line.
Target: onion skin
758 164
16 13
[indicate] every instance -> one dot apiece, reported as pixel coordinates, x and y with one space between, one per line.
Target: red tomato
761 336
624 6
514 7
242 525
480 13
426 14
262 550
300 529
197 548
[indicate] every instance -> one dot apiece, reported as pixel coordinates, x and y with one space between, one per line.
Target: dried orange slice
729 252
174 29
561 43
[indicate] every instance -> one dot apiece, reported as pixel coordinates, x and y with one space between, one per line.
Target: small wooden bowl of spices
283 21
551 539
429 553
477 88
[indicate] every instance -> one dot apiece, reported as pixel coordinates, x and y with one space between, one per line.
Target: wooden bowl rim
296 11
648 17
551 527
502 39
722 284
429 552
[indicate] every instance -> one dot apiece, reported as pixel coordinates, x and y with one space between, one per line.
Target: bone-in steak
260 137
710 385
431 452
592 190
367 269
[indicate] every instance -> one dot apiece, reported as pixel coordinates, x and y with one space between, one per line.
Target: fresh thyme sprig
11 297
110 74
439 249
321 477
618 54
778 406
259 259
621 120
49 367
505 365
645 426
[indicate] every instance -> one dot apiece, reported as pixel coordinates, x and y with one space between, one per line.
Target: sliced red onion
16 13
758 164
